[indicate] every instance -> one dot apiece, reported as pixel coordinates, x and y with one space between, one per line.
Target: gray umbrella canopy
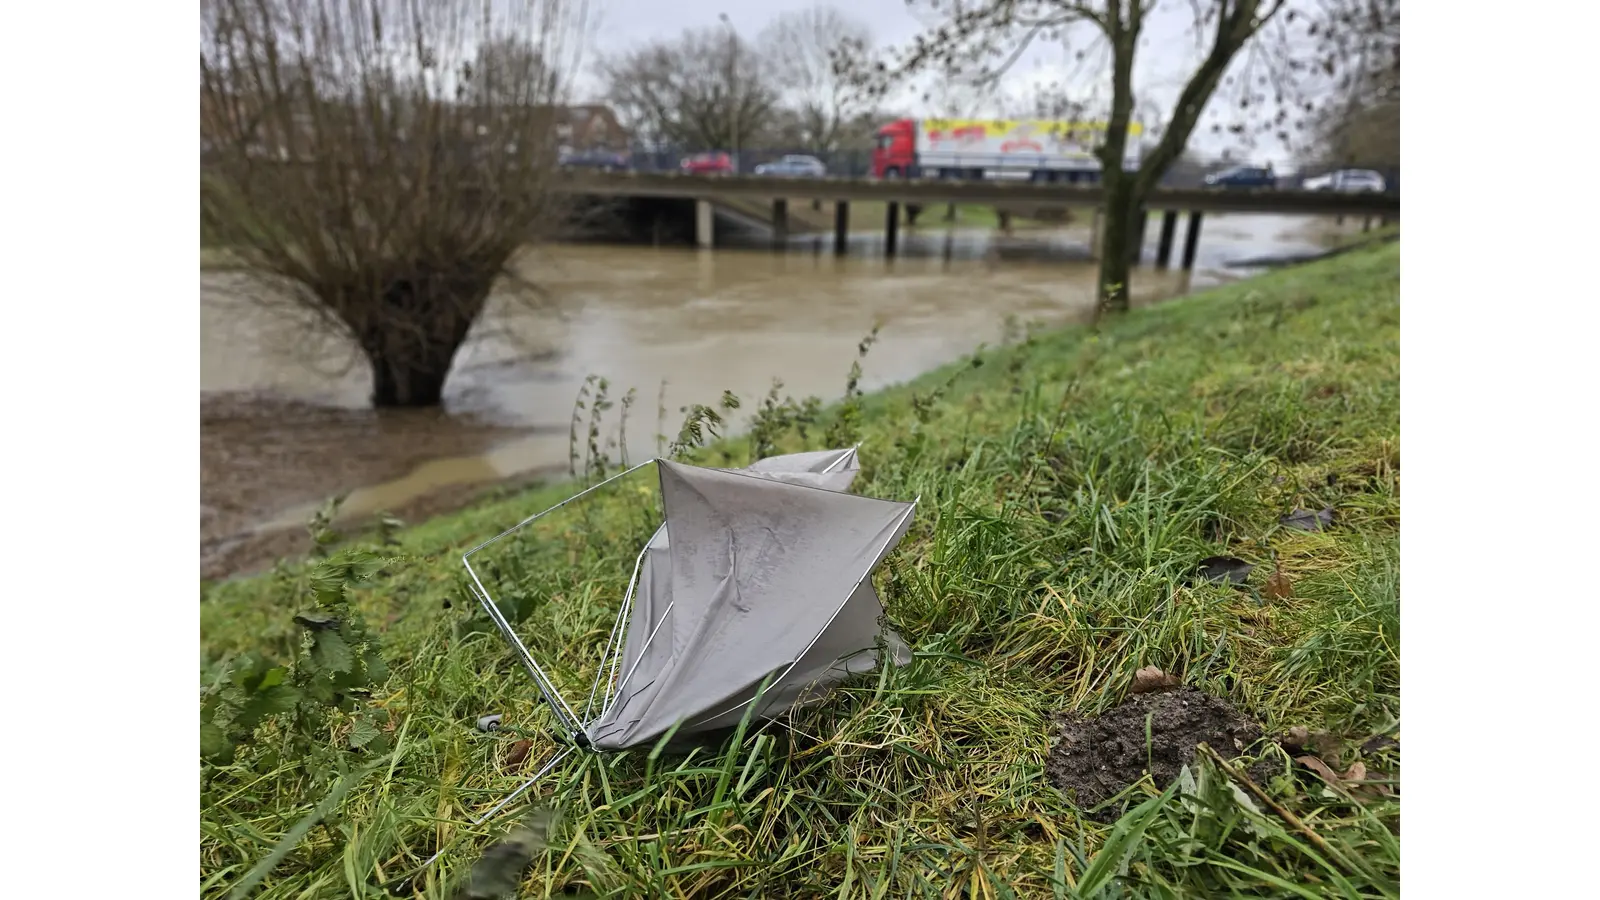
758 573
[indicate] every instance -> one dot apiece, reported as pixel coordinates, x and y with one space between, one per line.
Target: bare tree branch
708 89
380 163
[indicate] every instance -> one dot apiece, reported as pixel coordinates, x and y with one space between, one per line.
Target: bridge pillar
891 234
704 224
841 226
780 222
1141 224
1191 241
1169 228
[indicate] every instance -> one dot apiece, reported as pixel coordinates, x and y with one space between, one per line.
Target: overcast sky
1162 64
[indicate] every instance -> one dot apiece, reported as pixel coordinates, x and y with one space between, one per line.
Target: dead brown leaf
1150 679
517 754
1353 782
1278 586
1316 765
1296 737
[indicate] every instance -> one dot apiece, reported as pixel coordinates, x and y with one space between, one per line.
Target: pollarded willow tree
379 162
981 39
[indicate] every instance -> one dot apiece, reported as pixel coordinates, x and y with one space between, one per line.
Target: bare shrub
379 162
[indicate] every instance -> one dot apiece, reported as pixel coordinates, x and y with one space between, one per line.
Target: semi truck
1031 149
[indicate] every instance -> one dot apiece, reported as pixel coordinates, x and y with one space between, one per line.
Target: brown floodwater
284 419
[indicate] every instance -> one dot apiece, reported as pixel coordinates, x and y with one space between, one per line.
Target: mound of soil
1098 758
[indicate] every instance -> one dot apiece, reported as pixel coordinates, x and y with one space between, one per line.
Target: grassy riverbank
1070 485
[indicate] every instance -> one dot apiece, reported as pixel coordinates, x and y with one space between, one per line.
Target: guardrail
929 191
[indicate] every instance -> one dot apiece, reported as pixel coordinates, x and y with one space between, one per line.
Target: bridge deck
928 191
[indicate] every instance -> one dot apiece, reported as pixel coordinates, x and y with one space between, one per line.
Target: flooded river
284 418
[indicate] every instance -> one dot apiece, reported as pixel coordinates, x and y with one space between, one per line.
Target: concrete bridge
710 192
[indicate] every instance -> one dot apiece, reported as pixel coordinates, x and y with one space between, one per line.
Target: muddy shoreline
261 454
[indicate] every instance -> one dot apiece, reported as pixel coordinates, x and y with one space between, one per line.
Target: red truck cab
894 152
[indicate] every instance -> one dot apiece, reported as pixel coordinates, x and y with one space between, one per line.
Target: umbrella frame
571 725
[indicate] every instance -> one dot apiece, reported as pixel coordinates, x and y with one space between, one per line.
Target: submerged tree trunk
410 381
412 341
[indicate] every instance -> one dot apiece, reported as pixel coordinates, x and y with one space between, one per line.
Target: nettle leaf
214 741
277 699
330 652
316 620
250 672
377 669
364 732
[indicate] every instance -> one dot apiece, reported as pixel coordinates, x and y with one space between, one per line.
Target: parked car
1347 181
794 166
604 160
1243 177
707 164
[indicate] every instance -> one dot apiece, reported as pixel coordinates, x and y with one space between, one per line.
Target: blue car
1243 177
604 160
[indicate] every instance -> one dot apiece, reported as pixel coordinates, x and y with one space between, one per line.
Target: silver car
794 166
1347 181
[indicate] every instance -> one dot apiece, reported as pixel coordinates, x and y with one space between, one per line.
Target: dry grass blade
1293 820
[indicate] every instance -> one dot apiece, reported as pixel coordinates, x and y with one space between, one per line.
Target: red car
707 164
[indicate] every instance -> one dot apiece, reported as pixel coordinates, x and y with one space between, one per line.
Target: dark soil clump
1098 758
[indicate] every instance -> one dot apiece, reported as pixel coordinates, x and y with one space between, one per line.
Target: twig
1295 821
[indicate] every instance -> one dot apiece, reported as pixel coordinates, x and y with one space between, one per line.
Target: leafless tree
378 163
984 39
801 48
1359 44
708 89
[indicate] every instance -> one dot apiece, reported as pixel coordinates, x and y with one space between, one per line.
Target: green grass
1069 483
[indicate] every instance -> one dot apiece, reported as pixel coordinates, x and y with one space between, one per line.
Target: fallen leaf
1318 766
1278 586
1356 772
1379 743
1224 570
1150 679
517 754
1296 738
1306 520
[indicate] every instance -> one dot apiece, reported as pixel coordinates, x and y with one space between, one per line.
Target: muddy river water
284 422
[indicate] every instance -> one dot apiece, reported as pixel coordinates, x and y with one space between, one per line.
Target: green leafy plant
338 664
388 528
701 425
777 417
320 528
845 429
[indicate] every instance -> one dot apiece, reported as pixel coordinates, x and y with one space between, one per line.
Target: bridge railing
857 163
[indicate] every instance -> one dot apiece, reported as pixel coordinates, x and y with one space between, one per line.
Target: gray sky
1162 65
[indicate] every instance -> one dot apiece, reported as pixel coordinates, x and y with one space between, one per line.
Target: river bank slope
1073 486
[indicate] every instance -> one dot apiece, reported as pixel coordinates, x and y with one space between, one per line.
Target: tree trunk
1115 264
412 339
1122 28
410 381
